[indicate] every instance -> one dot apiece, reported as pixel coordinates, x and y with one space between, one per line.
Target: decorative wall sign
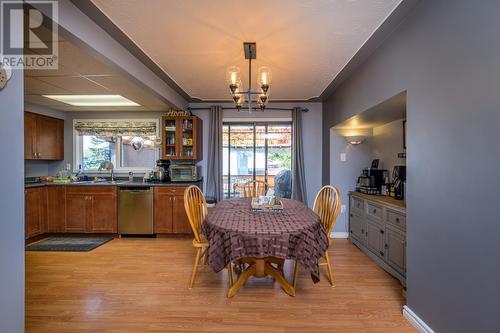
178 113
5 74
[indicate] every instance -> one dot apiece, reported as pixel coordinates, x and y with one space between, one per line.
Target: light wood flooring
140 285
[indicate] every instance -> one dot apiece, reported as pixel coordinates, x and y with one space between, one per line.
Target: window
130 145
257 151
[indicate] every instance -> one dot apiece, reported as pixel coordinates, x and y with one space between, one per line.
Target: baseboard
339 235
415 321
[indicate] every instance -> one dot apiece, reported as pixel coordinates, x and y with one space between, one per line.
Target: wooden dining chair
327 206
196 211
254 188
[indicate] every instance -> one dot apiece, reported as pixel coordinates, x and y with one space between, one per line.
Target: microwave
185 172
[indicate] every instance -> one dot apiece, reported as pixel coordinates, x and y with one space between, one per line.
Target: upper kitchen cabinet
182 138
43 137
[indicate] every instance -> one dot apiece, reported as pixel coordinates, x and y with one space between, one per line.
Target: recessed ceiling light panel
93 100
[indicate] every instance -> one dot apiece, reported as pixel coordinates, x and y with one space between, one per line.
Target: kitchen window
257 151
131 145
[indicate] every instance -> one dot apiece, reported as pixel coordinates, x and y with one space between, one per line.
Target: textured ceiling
306 43
80 73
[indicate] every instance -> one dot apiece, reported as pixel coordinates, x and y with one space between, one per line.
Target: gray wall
445 54
387 143
12 205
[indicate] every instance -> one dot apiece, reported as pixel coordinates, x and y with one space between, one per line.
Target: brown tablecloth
234 231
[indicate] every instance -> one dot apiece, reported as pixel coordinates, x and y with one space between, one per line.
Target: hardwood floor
140 285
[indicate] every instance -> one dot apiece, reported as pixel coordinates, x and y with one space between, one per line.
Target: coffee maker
371 180
162 171
399 178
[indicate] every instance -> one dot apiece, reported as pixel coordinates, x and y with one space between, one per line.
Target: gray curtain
298 173
214 161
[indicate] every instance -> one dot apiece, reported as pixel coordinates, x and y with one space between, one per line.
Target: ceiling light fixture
355 139
93 100
235 86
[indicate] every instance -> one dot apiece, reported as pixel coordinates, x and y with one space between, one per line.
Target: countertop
118 183
381 198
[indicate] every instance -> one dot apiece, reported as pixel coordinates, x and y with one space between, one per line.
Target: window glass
96 150
257 152
137 152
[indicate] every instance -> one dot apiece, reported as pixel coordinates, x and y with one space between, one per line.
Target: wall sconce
355 139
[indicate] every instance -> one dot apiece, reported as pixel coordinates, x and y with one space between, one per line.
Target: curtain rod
233 108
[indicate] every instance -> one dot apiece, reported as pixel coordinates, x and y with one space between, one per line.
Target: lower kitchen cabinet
35 211
169 213
377 226
56 209
91 209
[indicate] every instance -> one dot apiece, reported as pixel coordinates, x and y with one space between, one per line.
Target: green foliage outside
283 156
94 156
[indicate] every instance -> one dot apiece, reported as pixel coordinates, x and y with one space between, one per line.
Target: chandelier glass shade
246 99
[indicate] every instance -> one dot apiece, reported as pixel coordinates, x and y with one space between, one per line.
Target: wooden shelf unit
175 132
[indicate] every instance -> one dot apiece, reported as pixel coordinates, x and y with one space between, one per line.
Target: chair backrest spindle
327 206
255 188
196 209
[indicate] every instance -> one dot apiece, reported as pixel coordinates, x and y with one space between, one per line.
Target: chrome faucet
108 165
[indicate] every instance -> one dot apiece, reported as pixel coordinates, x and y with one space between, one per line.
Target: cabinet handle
174 198
374 211
382 253
362 231
381 231
350 214
386 246
397 219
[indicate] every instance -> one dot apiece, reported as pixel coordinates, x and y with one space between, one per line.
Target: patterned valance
114 128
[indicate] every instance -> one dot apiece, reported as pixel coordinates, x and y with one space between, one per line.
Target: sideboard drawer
374 211
396 219
357 205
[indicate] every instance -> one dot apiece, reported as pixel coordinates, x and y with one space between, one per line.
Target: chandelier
248 99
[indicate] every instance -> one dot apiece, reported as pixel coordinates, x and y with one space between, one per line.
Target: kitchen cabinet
91 209
169 213
377 225
43 137
35 211
182 138
375 238
56 209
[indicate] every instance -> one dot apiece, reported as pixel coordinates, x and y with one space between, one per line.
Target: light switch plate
343 157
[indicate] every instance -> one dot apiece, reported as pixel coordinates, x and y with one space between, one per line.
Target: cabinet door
77 205
162 211
103 215
357 227
34 211
375 238
396 249
56 209
29 136
170 137
180 222
49 138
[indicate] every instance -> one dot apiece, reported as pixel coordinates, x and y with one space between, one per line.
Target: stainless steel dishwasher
135 210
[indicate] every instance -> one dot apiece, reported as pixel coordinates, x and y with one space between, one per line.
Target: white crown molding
415 321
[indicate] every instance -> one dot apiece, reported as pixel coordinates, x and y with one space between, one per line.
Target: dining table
260 241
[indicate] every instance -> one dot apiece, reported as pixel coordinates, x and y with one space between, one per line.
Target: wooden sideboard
377 225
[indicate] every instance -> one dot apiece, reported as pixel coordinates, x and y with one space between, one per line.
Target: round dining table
259 239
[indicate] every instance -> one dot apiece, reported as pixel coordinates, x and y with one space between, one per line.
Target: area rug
68 244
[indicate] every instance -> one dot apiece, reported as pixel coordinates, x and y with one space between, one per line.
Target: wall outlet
343 157
342 209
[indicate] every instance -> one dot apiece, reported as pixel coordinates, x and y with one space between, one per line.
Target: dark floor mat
69 244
